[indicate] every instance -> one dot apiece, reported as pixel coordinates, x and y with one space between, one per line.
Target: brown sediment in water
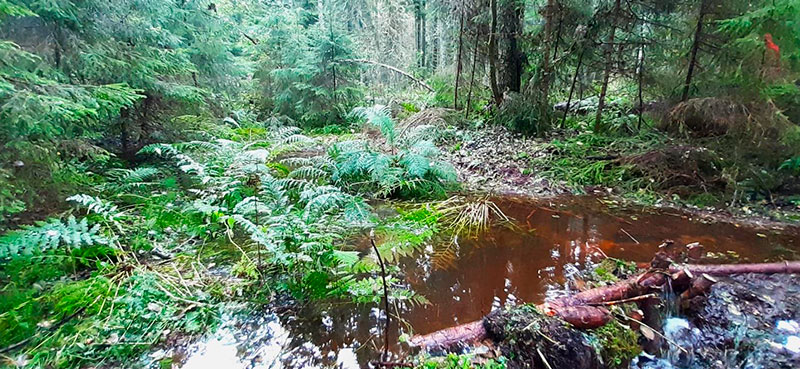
526 261
553 240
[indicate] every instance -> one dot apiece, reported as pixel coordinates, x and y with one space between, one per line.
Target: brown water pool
527 260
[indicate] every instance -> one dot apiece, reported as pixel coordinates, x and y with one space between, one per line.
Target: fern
185 163
412 170
50 235
103 208
309 173
380 117
132 179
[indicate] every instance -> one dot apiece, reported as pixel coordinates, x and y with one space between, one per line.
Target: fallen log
578 310
784 267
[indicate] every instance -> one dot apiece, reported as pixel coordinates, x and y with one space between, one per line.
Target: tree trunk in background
510 57
471 79
458 59
640 74
424 29
546 69
572 87
434 55
496 94
608 65
557 40
698 32
419 23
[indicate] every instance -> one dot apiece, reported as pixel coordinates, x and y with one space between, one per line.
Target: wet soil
532 258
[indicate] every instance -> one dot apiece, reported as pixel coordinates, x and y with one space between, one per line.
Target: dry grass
712 116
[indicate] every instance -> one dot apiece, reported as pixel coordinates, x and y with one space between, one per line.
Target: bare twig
385 296
393 69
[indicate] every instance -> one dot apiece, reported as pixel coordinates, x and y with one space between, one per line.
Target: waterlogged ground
526 260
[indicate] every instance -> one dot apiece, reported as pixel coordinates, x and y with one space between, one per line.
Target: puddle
528 262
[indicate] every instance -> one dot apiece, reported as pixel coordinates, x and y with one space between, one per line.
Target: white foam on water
792 344
346 359
673 326
788 326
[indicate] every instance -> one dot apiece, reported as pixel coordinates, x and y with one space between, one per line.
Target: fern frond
297 162
104 208
380 117
310 173
133 176
46 236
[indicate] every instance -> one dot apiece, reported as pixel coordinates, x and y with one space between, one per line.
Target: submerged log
578 310
461 334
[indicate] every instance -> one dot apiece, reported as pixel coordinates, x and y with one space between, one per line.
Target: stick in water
385 296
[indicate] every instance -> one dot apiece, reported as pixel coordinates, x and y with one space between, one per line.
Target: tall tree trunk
496 94
640 74
572 87
419 32
333 59
558 30
458 59
546 70
510 56
58 42
424 29
698 32
608 66
472 78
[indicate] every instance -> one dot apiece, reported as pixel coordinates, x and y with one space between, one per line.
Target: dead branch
391 68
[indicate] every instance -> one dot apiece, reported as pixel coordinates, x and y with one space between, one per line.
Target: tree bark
424 29
471 79
496 94
545 77
572 87
419 23
693 55
608 65
509 74
458 59
640 73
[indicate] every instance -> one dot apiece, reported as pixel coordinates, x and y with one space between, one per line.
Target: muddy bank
496 161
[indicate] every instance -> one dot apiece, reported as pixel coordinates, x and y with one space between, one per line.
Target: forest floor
497 161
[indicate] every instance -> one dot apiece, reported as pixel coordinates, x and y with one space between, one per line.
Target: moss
611 270
616 344
525 335
463 361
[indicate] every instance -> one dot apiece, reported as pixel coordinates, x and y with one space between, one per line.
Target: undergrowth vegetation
130 264
407 165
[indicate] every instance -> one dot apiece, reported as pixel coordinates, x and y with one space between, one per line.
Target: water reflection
529 261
